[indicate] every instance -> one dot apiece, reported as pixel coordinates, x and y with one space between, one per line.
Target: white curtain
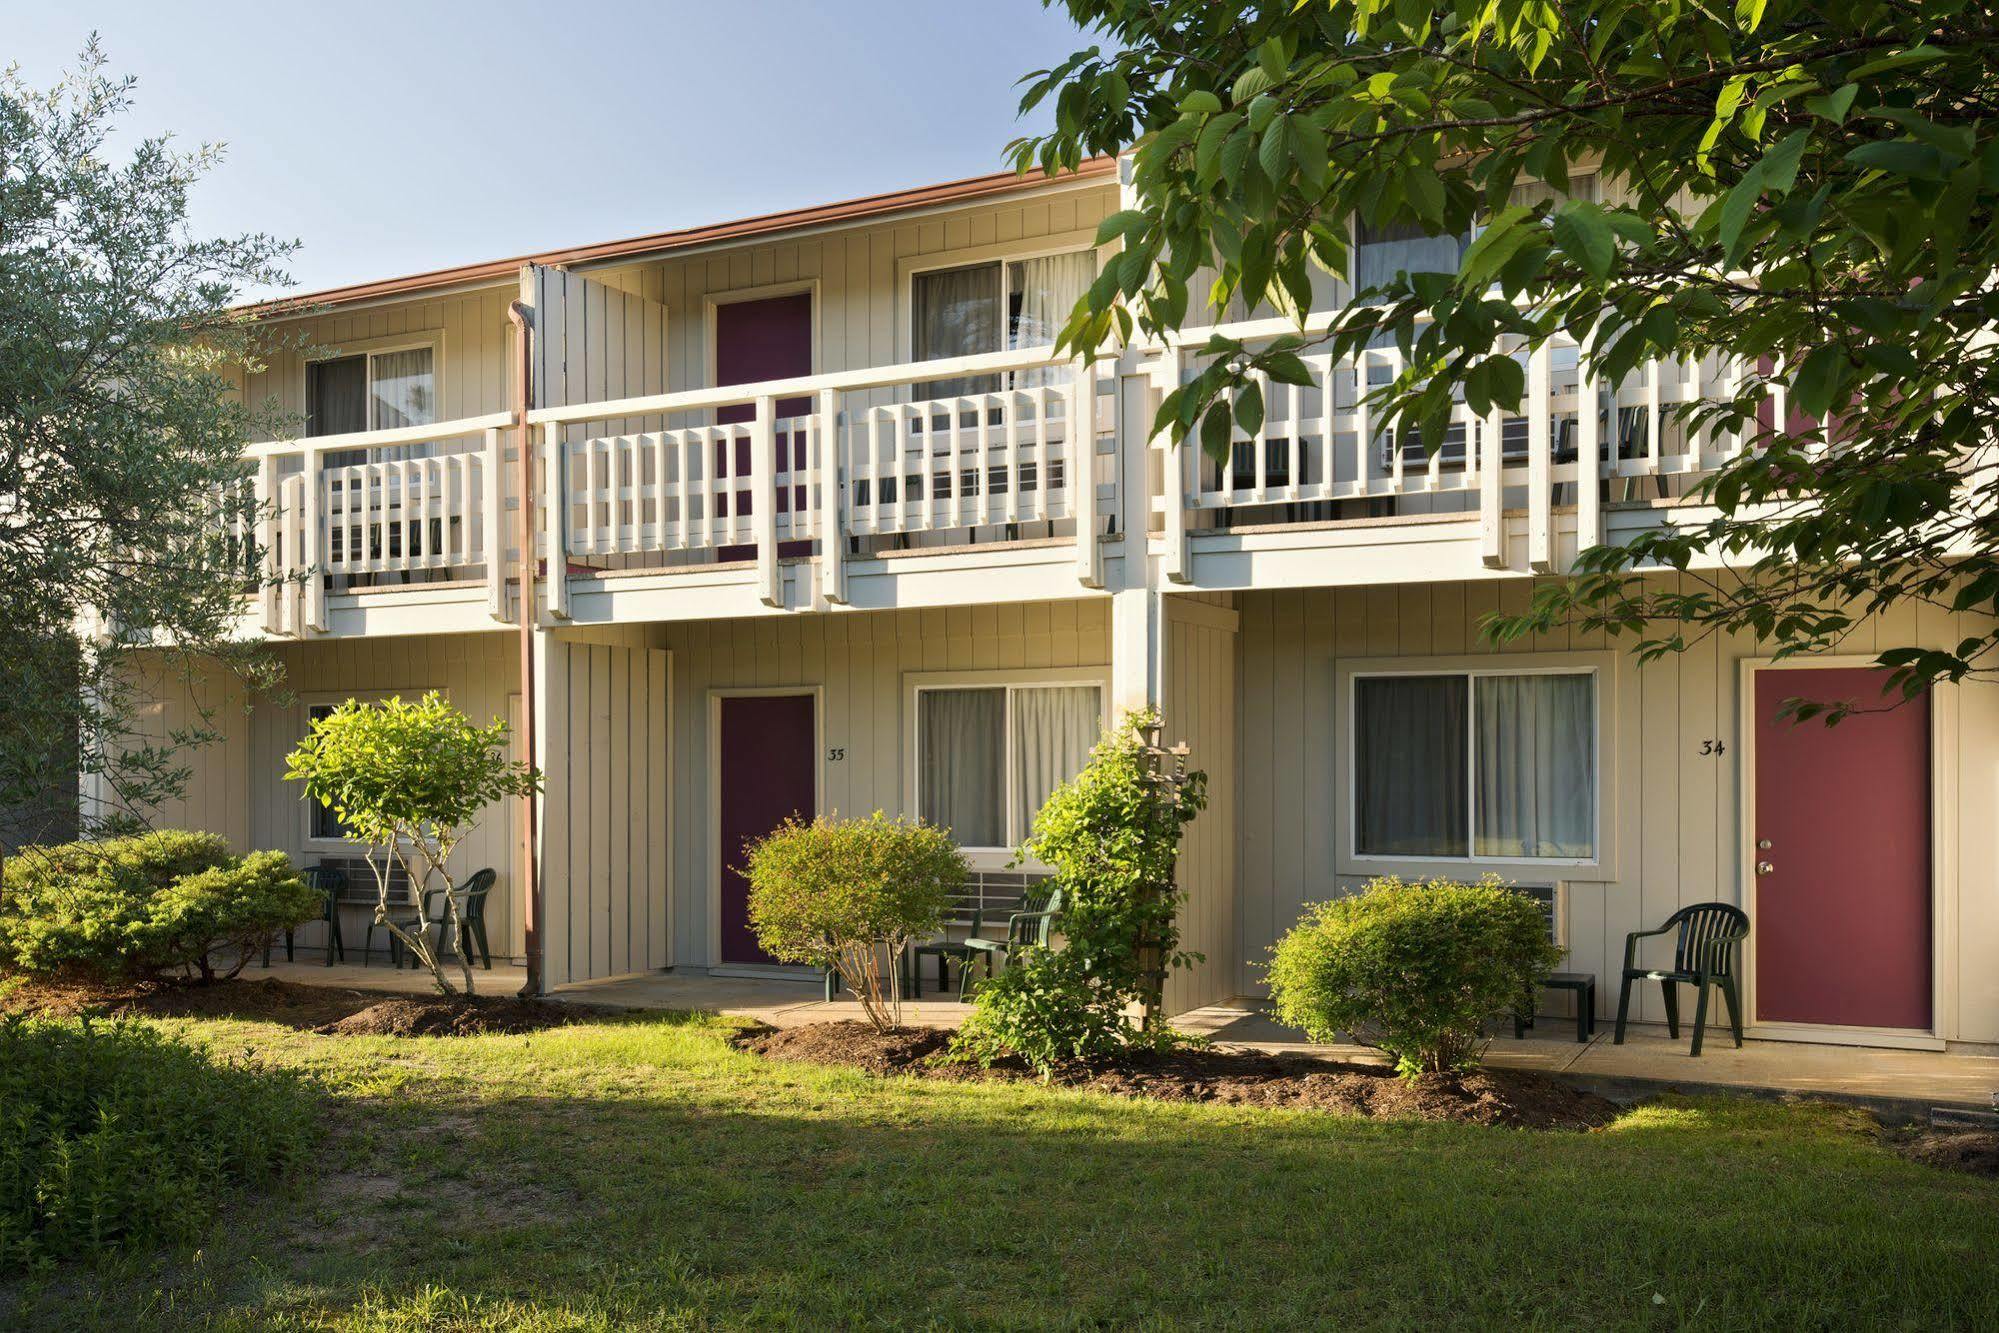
956 312
1409 765
1053 730
1382 252
961 761
1535 769
404 394
1040 294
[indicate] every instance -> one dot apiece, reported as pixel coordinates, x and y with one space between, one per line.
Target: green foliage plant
148 905
409 781
851 895
1111 837
1412 968
117 1136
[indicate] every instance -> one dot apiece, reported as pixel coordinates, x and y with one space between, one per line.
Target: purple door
1842 862
770 339
768 749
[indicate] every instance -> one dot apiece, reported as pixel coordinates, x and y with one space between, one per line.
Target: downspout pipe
522 319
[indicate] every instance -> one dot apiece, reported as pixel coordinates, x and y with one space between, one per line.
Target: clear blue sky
395 137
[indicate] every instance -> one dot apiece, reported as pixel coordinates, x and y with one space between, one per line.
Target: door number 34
1714 747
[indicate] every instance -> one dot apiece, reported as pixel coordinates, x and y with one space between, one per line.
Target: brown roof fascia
850 210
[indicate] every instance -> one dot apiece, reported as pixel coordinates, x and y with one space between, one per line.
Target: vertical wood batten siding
858 661
607 832
1199 709
1673 812
237 787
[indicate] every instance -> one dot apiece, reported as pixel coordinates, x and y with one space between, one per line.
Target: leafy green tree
120 446
409 780
1805 189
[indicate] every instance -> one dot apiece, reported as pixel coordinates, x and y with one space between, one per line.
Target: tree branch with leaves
1803 191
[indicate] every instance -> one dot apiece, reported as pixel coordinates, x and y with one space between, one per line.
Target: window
345 395
988 757
321 823
1474 765
993 307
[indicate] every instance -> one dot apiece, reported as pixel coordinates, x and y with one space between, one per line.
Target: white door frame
1943 868
715 696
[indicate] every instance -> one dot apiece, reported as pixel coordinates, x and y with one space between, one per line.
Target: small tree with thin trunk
409 781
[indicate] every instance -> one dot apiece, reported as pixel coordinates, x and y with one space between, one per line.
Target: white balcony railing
1013 446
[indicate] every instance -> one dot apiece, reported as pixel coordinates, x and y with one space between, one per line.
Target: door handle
1764 867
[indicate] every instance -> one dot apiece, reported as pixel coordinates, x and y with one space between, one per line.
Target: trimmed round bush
1412 968
115 1135
851 894
143 906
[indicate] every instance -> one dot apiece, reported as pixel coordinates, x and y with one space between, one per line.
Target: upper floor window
1476 765
993 307
988 757
345 395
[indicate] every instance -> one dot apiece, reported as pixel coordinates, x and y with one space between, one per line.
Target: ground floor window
1476 765
321 823
988 757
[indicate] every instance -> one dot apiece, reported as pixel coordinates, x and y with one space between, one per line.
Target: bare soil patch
1972 1150
1219 1075
331 1010
461 1016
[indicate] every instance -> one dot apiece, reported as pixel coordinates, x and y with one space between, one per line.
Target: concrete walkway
1903 1082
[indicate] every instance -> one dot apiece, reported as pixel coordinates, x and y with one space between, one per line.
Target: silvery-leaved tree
121 469
409 781
1805 190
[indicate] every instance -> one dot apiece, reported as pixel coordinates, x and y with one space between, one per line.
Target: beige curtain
1053 729
961 760
1534 774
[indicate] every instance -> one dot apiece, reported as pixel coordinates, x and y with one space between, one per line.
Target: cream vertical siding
1671 813
169 703
859 663
1199 710
607 830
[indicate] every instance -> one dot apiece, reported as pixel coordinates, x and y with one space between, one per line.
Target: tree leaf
1583 232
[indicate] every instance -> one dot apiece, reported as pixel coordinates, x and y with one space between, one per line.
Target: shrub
145 905
116 1135
1112 837
409 780
1414 969
850 894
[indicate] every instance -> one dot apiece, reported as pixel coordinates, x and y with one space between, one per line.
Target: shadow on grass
636 1173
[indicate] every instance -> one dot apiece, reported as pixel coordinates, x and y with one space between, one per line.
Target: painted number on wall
1714 747
836 754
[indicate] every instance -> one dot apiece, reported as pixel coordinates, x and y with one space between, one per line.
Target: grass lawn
641 1174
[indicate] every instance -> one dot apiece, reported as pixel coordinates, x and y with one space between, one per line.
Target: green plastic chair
1032 924
471 897
331 881
1707 952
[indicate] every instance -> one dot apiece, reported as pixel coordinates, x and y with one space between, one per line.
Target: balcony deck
1001 477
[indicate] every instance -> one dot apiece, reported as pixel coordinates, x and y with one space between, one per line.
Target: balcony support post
555 511
312 543
763 501
270 562
1175 461
1492 492
1540 465
1589 462
832 540
494 522
1081 463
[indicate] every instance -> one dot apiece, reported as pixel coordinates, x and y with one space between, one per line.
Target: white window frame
918 683
330 699
369 349
1352 861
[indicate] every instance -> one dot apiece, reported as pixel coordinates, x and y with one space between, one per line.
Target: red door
770 339
768 747
1842 848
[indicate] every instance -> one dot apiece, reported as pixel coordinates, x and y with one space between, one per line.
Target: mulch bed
332 1010
1972 1150
1218 1076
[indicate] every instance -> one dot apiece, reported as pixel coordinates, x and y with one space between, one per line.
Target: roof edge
848 210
